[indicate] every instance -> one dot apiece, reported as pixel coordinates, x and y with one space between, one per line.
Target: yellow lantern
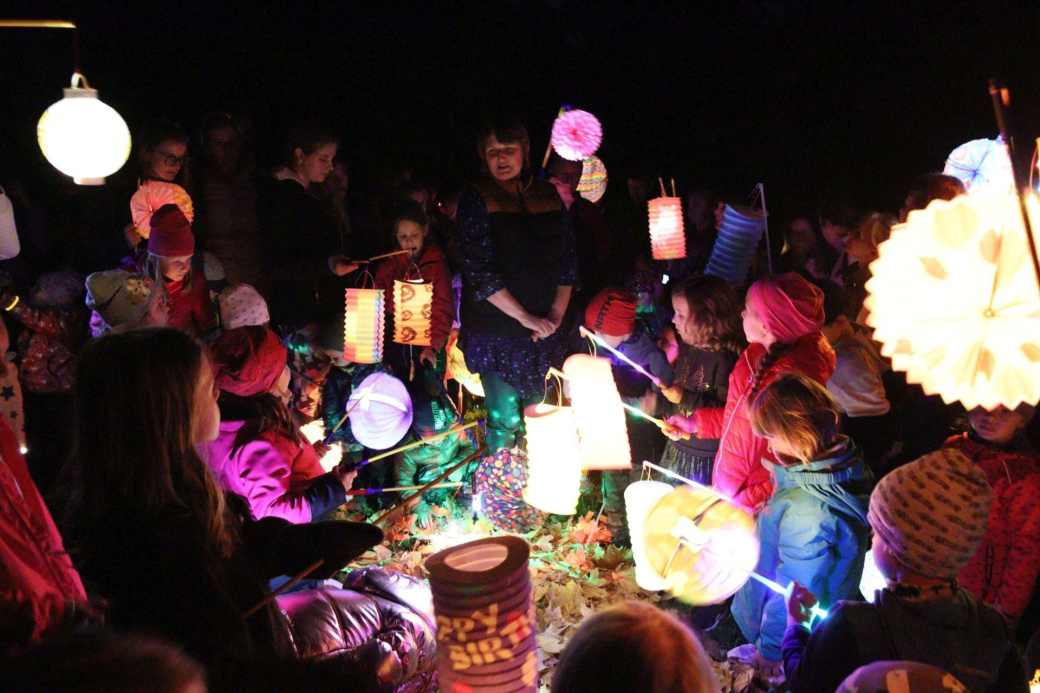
413 308
954 301
363 326
83 137
667 240
553 459
602 431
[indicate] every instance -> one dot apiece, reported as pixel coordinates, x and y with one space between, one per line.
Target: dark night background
809 98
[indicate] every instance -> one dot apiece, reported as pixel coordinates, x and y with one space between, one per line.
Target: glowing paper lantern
640 497
954 301
83 137
553 459
602 430
593 183
667 240
363 326
413 308
872 579
576 135
983 165
152 195
736 243
704 546
457 370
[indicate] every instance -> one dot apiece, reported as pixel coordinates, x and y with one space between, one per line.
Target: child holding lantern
814 527
782 320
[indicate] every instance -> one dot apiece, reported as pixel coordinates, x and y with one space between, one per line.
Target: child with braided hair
782 319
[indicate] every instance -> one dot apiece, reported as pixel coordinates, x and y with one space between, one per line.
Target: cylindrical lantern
553 459
485 617
413 308
667 240
363 326
83 137
602 430
640 497
735 246
593 183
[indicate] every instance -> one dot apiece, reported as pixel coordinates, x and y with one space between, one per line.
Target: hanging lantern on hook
83 137
363 326
413 311
667 240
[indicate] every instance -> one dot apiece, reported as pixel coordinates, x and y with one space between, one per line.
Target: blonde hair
800 412
634 647
876 227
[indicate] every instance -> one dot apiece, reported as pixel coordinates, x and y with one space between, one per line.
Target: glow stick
660 424
370 491
423 441
585 333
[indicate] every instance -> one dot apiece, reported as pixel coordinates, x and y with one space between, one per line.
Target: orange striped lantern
602 431
667 240
413 310
363 326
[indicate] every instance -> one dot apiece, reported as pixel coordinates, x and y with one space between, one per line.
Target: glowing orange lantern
553 459
363 326
667 239
413 308
602 431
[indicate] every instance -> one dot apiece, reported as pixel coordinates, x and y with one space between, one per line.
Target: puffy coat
276 477
814 530
738 471
1004 569
433 268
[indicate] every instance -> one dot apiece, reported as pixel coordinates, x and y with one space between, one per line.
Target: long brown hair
134 461
714 312
261 413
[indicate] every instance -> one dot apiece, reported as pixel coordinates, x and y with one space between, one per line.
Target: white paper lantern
83 137
602 428
640 497
553 459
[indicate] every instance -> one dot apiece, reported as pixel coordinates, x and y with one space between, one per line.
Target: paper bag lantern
553 459
640 498
152 195
701 544
363 326
983 166
954 301
413 309
602 431
736 243
593 182
667 240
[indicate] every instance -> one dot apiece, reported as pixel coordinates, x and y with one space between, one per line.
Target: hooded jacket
738 472
814 530
432 268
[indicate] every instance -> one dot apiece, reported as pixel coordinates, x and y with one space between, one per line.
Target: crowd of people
157 483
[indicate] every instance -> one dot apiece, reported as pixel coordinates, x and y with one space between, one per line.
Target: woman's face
165 161
206 426
803 239
411 236
504 161
224 147
682 319
835 234
998 426
315 168
754 329
175 268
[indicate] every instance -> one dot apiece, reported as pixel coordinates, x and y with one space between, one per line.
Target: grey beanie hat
121 299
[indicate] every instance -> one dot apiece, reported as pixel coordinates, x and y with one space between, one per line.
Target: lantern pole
1002 99
765 218
405 502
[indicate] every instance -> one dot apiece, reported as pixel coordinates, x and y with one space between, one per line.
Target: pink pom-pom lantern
152 195
576 135
667 240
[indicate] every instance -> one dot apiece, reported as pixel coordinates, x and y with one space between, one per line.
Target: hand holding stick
403 504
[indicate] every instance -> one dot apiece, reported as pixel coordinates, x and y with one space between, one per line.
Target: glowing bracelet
13 304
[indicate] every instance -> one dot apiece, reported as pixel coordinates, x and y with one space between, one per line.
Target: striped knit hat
932 513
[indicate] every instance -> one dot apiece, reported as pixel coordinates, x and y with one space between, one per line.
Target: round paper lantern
576 135
954 301
152 195
736 243
704 546
553 459
500 481
485 617
983 166
380 411
640 497
83 137
413 308
593 183
363 326
667 240
602 430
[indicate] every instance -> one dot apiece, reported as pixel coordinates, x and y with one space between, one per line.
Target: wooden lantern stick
389 453
401 505
296 578
380 257
660 181
674 194
359 400
395 489
549 148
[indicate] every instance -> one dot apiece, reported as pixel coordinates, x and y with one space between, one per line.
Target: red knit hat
788 305
248 360
171 233
612 312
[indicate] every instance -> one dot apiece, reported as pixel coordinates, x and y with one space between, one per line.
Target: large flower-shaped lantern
576 135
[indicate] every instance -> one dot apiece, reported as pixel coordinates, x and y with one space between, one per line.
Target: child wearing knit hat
928 519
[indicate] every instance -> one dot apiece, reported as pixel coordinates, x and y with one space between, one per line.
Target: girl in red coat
423 262
782 320
171 246
1004 570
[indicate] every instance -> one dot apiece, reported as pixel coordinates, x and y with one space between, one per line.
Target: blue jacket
814 530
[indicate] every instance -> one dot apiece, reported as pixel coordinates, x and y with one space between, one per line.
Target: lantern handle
78 76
